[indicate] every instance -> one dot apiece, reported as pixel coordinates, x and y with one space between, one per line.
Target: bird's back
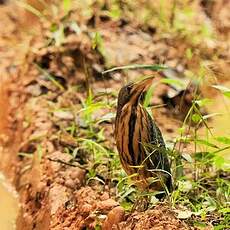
159 158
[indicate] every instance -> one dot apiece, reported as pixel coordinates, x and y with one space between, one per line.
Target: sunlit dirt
8 205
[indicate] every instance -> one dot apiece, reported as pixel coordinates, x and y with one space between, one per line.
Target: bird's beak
142 86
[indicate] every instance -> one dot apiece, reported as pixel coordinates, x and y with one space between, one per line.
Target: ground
58 118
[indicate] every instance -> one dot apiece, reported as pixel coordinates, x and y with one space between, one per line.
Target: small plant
198 189
90 107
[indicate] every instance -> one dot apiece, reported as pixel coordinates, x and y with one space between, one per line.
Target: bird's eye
129 87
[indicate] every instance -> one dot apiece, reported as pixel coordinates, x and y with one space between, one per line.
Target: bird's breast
130 132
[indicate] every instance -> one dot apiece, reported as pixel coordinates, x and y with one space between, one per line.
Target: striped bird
139 141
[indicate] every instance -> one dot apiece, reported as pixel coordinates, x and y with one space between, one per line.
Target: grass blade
136 66
50 77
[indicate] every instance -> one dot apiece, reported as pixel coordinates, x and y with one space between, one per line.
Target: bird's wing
156 158
152 142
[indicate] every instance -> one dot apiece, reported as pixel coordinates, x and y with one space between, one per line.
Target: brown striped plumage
139 141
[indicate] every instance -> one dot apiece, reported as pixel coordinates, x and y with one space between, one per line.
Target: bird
139 141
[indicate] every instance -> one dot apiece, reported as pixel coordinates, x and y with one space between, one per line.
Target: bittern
139 141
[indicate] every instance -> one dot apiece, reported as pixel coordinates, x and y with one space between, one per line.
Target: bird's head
132 93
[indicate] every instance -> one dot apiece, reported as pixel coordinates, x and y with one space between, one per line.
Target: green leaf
107 117
40 152
29 155
224 140
189 53
199 156
227 94
136 66
100 135
97 227
219 162
225 90
196 118
53 27
205 117
187 157
203 102
75 27
148 96
50 77
92 144
98 43
115 12
225 210
220 227
126 205
200 224
128 192
95 178
67 5
207 143
185 186
59 35
97 40
221 88
181 130
172 82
